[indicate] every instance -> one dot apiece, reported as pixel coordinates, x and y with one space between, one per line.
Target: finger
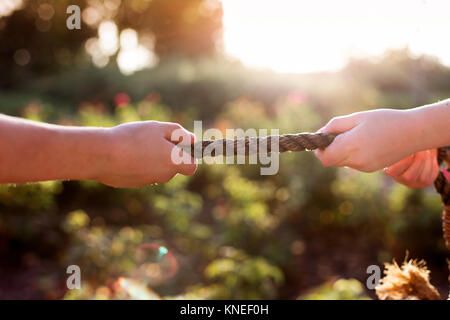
400 167
176 134
340 124
336 153
435 167
411 175
187 169
425 178
183 137
431 170
168 128
182 161
188 166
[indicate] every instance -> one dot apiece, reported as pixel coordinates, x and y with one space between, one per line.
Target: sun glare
307 36
9 6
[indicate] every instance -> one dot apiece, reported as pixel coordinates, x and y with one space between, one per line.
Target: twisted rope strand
250 146
442 186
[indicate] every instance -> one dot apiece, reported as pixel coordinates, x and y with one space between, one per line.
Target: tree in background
35 40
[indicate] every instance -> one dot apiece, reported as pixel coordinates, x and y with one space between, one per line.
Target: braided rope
250 146
442 186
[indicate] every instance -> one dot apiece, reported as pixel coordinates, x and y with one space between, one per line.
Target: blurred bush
343 289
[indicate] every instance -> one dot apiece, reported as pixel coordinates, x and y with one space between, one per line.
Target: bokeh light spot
136 290
22 57
121 100
155 264
46 11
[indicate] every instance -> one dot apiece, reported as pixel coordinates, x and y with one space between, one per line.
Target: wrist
100 152
431 124
417 132
85 152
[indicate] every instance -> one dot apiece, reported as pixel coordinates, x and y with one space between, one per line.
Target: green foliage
33 196
342 289
243 277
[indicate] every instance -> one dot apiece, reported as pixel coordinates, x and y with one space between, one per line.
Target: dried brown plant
411 281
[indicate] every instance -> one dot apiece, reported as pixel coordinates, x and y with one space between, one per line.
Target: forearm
432 125
32 151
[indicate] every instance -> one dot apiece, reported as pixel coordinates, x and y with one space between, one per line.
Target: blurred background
308 232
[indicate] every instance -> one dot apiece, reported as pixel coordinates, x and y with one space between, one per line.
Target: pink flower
121 100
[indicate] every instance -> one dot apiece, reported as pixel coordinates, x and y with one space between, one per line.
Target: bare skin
399 141
128 155
416 171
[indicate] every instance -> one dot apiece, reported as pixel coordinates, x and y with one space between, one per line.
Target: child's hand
371 140
416 171
140 154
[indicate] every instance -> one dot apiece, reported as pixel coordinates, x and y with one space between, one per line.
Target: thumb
183 160
176 134
340 124
337 152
